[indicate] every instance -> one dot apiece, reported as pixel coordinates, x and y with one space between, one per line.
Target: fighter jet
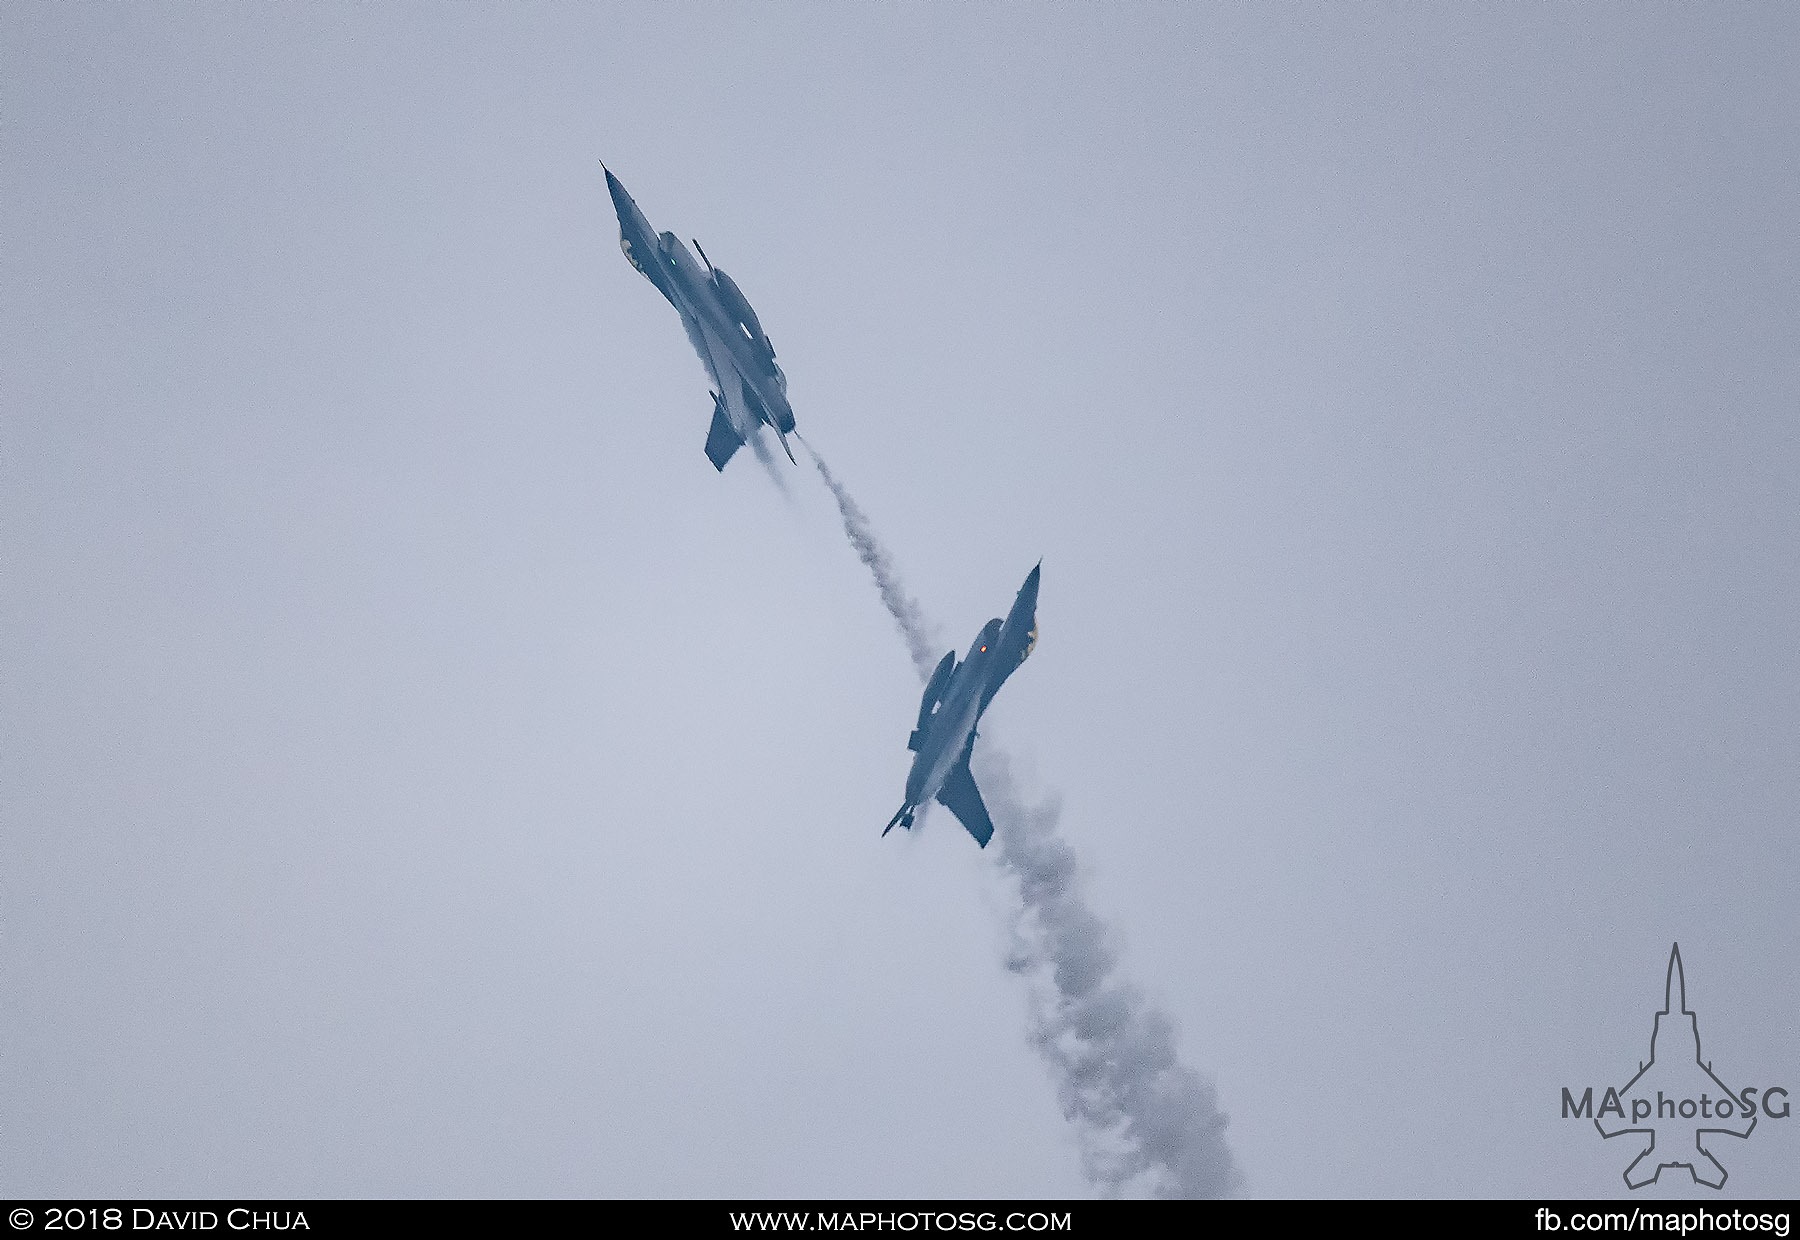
749 389
954 698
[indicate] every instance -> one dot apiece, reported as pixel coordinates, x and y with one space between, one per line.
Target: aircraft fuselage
951 708
749 387
951 729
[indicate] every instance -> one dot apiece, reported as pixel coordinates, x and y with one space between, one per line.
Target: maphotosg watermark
1676 1104
1673 1222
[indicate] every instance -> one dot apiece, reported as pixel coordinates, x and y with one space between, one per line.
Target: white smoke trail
1144 1121
766 458
921 642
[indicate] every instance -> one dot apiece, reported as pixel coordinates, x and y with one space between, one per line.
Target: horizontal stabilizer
916 739
722 440
961 797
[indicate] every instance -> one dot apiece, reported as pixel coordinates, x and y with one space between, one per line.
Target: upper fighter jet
749 388
954 698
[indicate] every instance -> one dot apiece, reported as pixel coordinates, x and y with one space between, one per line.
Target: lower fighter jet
954 698
749 388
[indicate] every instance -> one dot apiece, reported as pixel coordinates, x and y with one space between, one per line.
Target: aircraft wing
961 797
723 437
934 693
697 338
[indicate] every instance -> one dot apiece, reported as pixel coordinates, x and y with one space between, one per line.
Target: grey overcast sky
421 774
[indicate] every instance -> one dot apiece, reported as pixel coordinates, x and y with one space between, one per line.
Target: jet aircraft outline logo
1691 1106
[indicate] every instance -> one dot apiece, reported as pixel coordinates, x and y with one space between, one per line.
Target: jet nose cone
1024 608
621 200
